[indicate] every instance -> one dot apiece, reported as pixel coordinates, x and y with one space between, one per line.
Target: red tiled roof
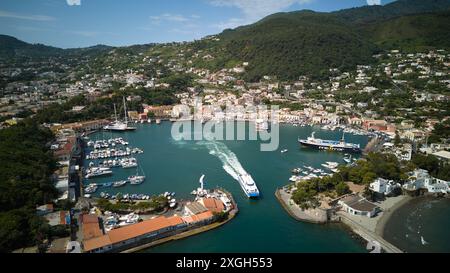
91 228
139 229
97 242
213 204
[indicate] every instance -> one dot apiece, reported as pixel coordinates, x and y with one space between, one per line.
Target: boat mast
115 112
125 109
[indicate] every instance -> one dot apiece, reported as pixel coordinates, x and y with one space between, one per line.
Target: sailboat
137 179
118 125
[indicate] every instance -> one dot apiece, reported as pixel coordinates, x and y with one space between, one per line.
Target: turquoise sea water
261 225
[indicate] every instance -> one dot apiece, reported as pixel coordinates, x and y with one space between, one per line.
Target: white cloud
170 17
231 23
7 14
256 9
373 2
73 2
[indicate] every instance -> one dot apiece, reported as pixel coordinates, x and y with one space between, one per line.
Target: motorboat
136 179
119 184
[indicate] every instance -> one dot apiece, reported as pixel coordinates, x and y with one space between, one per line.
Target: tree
369 178
342 188
397 139
221 216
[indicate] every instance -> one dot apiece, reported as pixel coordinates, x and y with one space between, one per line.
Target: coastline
384 219
369 230
308 216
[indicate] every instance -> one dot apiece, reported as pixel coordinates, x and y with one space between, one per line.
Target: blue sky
80 23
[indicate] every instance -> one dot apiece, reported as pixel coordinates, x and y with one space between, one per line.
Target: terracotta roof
89 218
196 207
62 217
97 242
202 216
198 217
213 204
91 227
148 226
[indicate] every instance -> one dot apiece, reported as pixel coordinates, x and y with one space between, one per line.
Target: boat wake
229 159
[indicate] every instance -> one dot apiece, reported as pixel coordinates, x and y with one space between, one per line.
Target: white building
357 205
383 186
421 179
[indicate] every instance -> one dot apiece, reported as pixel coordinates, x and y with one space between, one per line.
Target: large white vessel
118 125
248 185
330 145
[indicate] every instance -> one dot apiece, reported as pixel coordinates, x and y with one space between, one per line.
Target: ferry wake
233 167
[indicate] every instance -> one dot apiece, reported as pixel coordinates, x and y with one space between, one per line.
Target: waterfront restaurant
357 205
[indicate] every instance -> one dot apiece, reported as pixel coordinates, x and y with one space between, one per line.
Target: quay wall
369 236
319 216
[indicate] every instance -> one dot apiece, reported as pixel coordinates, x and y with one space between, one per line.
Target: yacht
348 158
330 165
119 125
91 188
119 184
129 163
136 179
294 178
97 173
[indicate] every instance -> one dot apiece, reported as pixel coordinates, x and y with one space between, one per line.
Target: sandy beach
387 213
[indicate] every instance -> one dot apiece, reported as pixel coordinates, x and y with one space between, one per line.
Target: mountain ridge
304 42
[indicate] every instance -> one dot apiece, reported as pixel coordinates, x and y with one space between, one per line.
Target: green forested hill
11 47
412 33
395 9
309 43
293 44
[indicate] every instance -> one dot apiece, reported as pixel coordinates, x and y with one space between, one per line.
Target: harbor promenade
371 237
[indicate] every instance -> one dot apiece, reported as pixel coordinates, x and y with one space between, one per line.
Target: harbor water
262 225
421 226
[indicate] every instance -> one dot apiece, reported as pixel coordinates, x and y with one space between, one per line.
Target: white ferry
248 185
